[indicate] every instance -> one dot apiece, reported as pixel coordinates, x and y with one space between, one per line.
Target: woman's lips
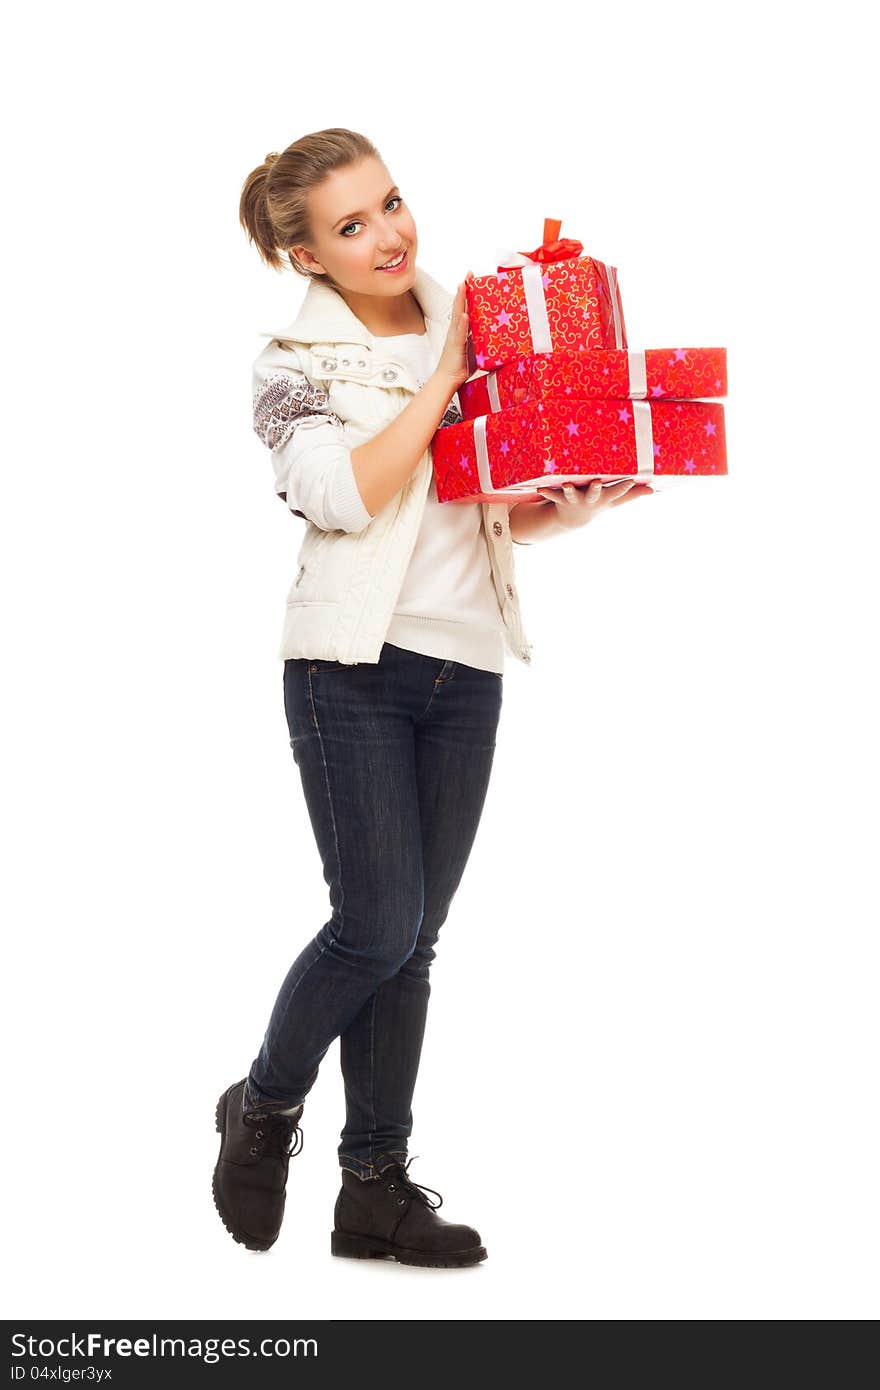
394 270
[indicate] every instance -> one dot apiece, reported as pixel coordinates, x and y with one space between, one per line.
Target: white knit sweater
447 606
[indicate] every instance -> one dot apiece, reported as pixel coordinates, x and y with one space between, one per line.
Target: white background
649 1075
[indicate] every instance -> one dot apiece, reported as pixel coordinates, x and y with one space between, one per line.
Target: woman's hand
453 363
576 505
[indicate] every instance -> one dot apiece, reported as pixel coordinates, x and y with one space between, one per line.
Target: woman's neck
386 318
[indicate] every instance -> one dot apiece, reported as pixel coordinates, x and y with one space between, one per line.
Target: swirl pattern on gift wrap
672 373
579 310
581 436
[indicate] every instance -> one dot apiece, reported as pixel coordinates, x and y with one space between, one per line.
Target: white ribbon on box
536 303
638 373
644 442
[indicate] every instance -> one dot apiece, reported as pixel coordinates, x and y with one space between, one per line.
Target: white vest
342 598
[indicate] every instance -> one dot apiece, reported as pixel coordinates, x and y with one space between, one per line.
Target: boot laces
416 1188
276 1132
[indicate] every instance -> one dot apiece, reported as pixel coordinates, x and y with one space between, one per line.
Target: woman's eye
396 199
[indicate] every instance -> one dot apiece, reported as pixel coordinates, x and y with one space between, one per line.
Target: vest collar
324 317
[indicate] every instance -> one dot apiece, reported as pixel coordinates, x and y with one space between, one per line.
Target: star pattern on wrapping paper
657 390
709 427
551 466
505 447
718 382
503 319
572 427
680 354
481 359
688 465
502 275
545 279
624 415
656 451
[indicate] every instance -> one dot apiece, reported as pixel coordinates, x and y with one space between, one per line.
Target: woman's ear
303 255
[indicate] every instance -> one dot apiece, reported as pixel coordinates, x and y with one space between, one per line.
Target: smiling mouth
394 264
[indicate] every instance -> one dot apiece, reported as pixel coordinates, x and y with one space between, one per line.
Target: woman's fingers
595 492
460 310
638 490
569 492
599 487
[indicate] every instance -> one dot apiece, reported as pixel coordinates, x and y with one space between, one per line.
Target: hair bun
270 158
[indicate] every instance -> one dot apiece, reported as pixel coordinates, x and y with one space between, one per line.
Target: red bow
552 248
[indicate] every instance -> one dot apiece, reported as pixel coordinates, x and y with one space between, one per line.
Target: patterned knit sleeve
452 414
312 463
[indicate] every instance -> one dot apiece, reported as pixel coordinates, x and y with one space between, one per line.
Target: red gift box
554 298
655 373
503 456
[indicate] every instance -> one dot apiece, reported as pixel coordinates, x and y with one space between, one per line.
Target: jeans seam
364 1177
332 813
323 949
372 1073
401 1153
263 1107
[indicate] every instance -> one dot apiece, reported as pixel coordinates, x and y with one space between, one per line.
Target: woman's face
359 221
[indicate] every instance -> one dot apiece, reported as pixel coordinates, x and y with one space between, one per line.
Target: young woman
393 646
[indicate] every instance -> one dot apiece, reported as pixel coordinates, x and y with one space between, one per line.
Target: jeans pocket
317 664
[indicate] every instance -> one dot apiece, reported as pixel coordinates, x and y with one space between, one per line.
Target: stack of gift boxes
559 396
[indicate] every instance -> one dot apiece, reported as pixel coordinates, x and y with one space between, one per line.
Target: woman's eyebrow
352 215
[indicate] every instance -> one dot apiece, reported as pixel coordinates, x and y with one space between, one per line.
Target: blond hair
273 208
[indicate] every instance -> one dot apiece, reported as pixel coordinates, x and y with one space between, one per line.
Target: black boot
391 1215
251 1173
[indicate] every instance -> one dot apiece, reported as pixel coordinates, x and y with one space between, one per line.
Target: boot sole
374 1248
248 1241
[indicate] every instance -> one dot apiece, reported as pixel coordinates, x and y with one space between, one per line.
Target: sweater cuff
348 506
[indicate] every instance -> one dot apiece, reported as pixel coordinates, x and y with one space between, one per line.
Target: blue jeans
395 759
